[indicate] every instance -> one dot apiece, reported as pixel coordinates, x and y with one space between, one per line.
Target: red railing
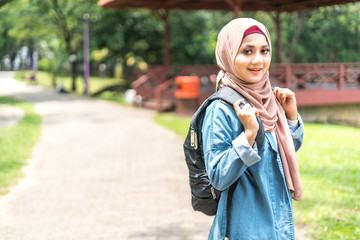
313 83
319 83
316 76
146 84
164 92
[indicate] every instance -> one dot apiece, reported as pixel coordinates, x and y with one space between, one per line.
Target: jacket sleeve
226 149
297 133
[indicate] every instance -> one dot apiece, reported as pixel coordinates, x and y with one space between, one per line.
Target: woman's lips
255 70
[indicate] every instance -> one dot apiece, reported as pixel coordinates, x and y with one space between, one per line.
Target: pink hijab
260 95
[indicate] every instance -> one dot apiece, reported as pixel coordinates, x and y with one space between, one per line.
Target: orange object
187 87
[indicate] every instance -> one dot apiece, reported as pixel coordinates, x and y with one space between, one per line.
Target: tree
28 29
3 2
67 17
194 35
9 45
130 38
299 22
135 36
329 34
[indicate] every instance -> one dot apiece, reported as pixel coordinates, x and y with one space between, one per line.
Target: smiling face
253 58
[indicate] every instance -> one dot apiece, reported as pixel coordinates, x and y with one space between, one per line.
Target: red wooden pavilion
314 84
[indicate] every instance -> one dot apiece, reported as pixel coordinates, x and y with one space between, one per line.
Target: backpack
204 197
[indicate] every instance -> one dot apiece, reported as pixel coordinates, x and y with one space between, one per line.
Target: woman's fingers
237 105
287 100
238 102
246 111
282 94
247 116
246 107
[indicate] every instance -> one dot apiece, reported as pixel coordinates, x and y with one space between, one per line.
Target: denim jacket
261 206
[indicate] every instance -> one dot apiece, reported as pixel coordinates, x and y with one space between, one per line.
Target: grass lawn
16 143
330 171
178 124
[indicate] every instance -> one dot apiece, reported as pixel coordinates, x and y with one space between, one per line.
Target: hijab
259 94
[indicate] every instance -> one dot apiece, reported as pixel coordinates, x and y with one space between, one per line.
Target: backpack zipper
213 192
193 138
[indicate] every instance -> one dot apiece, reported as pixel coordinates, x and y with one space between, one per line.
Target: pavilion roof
245 5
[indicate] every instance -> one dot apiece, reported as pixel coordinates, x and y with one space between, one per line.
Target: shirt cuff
245 152
296 127
293 123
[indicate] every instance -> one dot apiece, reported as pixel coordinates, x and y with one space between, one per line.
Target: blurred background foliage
122 40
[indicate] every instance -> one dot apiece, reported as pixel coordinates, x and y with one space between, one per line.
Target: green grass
16 143
330 171
176 123
112 96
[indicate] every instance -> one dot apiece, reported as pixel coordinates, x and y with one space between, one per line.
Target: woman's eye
247 51
265 51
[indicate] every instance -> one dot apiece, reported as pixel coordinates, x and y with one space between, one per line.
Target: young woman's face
253 58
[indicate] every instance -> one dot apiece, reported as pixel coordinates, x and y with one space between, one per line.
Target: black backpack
204 197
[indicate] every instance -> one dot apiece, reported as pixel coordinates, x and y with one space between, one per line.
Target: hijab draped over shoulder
259 94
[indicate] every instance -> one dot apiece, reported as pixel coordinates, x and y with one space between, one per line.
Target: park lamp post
35 61
86 54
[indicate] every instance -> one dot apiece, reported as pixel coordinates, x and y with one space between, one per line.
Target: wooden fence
315 84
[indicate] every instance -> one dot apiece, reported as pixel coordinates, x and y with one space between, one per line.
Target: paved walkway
10 115
100 171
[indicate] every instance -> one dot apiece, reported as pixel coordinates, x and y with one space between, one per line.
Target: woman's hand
247 116
287 100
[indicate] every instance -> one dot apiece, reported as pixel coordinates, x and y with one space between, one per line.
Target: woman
261 206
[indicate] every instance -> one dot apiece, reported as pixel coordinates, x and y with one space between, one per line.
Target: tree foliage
329 34
66 17
133 38
3 2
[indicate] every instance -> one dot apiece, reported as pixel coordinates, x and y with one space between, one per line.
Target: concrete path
100 171
10 115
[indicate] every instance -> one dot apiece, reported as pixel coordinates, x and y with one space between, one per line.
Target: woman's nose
257 59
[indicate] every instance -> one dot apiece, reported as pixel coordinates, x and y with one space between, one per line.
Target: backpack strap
230 96
228 204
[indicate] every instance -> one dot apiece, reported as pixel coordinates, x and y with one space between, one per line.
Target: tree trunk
12 57
73 75
300 18
53 79
3 2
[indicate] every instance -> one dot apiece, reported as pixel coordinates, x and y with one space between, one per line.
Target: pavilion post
278 38
341 76
167 60
163 15
236 6
236 11
288 74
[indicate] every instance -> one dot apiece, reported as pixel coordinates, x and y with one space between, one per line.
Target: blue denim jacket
261 206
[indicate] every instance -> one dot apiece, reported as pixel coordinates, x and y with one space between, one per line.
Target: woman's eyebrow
247 45
252 46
